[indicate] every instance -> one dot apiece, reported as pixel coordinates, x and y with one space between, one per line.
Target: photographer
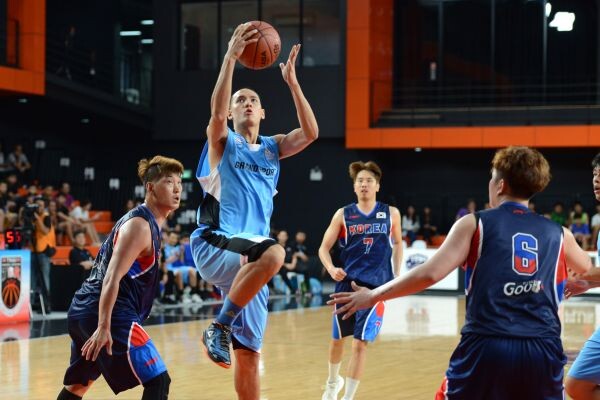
43 247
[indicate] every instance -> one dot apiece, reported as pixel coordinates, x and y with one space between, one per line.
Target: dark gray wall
182 98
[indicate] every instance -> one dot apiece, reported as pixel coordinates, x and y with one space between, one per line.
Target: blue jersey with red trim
515 274
138 286
366 245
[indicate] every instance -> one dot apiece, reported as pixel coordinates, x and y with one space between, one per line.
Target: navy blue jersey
138 286
366 245
515 274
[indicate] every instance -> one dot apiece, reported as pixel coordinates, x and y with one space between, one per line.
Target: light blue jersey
234 222
587 364
238 193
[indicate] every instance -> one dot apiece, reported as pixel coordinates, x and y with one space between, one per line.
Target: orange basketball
263 53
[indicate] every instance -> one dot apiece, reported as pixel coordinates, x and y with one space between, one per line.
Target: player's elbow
313 133
218 117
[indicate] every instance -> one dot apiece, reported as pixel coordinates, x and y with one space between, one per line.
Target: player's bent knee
157 388
273 257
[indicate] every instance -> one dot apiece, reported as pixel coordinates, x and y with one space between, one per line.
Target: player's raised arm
134 238
397 248
219 101
329 238
299 138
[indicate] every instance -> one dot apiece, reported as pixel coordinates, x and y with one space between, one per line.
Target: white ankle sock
351 387
334 370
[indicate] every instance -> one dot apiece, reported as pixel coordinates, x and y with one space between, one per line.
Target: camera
29 211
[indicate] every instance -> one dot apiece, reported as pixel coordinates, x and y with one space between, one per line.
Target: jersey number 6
525 254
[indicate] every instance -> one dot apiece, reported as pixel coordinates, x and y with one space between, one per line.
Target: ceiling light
130 33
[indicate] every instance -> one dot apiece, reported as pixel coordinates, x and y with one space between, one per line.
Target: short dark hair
596 161
77 232
370 166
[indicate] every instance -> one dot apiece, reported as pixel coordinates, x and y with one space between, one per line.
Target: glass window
519 43
199 44
234 13
284 15
321 42
416 52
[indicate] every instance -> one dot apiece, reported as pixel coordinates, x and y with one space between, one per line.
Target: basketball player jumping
106 314
515 265
238 172
370 235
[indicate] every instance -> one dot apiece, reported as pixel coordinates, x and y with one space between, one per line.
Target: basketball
263 53
10 293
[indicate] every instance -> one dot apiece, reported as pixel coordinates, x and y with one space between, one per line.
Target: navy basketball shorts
363 324
500 368
134 359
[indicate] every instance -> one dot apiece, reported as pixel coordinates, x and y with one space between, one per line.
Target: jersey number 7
368 241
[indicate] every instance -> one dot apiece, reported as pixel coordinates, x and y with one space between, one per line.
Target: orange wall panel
357 103
29 78
407 138
357 53
508 135
557 136
364 138
357 13
456 137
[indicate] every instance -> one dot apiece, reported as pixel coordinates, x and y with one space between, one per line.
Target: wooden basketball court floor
406 362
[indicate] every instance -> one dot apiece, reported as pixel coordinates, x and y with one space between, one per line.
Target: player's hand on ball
360 299
575 287
337 274
99 339
240 38
288 70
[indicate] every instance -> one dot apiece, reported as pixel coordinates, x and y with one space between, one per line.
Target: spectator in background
531 206
48 193
410 224
580 225
558 214
59 229
81 214
66 61
65 190
12 182
300 251
469 209
187 275
44 247
289 262
5 167
17 160
595 226
80 256
428 226
65 222
129 205
173 255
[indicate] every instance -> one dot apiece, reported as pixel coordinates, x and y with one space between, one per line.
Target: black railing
583 91
124 76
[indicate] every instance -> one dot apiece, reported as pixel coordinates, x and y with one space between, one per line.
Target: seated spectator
65 222
410 224
595 227
81 214
13 185
300 251
17 160
469 209
129 205
48 193
186 274
558 214
289 262
580 226
59 229
65 190
428 226
5 168
79 255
